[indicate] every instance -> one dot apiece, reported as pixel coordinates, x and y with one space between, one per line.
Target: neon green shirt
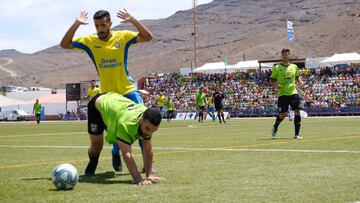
37 108
110 59
169 105
286 77
121 117
201 99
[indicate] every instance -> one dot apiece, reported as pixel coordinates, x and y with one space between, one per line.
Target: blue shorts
162 108
135 97
212 109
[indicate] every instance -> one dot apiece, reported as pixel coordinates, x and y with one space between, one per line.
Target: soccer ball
64 176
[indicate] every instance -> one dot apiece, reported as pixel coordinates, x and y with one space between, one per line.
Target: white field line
42 134
194 149
85 132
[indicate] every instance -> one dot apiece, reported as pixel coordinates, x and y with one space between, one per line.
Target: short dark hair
153 115
101 14
93 81
285 50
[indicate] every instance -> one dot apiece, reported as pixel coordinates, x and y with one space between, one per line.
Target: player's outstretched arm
130 163
66 41
148 157
144 33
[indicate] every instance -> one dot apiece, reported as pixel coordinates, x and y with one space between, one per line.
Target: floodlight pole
194 2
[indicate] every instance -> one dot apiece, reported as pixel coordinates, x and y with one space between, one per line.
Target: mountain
11 53
232 29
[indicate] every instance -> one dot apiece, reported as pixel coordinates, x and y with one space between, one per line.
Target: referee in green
125 122
284 76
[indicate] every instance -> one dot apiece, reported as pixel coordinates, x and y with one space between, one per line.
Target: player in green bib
170 109
285 75
201 103
37 111
125 122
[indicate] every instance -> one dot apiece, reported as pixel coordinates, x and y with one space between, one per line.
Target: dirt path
9 61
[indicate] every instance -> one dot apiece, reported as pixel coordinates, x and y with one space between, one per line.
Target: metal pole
195 32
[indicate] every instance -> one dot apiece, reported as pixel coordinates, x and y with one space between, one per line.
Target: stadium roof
343 58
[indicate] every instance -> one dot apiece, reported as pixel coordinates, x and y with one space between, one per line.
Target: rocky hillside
232 29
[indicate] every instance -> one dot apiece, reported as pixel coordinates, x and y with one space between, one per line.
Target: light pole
194 2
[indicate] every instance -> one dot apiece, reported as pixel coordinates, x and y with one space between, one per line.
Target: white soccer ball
64 176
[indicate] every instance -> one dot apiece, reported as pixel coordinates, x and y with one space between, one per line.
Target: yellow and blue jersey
110 59
92 92
161 100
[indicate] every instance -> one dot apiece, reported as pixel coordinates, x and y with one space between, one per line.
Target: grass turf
236 162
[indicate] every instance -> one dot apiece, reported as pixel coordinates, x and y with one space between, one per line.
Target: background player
201 103
284 76
170 109
218 101
37 111
93 90
211 108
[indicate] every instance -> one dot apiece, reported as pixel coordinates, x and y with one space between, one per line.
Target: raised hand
82 18
125 16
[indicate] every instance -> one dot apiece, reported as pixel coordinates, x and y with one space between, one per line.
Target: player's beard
103 35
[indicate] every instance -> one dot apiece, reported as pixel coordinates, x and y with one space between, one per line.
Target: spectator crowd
335 87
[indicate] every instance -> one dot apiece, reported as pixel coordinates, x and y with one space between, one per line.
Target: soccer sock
218 115
297 123
222 116
91 167
115 149
277 122
141 144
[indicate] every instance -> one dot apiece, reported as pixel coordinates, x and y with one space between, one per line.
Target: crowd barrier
329 111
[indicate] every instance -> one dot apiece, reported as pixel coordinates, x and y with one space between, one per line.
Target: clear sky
32 25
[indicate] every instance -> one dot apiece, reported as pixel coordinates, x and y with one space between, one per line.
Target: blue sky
32 25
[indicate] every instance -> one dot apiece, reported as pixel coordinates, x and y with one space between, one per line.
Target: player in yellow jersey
161 99
211 108
109 50
93 90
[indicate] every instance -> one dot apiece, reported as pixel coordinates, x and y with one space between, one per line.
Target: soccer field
208 162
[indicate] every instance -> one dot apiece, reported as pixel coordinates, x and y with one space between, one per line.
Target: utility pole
194 3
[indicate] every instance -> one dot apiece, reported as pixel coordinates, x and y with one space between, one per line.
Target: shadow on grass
104 178
278 138
58 190
34 179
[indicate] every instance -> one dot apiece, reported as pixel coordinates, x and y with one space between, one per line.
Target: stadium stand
329 91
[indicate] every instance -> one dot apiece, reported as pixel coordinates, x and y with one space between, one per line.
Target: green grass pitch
208 162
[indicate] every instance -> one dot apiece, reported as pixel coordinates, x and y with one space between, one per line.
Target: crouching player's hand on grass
155 179
149 181
143 182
